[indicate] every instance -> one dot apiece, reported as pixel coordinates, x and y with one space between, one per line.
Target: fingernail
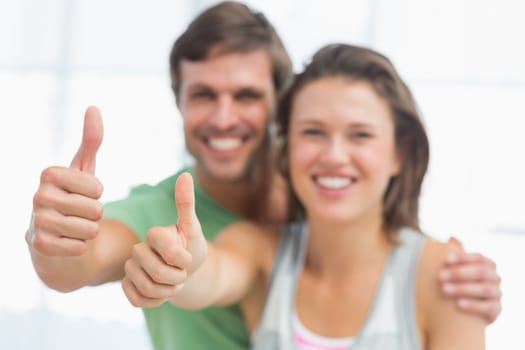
452 257
463 303
444 275
449 288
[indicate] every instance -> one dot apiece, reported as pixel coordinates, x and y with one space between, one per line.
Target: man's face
226 101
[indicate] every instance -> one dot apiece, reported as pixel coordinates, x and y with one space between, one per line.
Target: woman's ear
397 163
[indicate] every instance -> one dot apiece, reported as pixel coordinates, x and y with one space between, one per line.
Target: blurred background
463 59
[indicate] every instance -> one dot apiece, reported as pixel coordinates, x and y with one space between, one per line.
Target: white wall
462 58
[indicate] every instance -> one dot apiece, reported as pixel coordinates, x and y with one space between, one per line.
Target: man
228 69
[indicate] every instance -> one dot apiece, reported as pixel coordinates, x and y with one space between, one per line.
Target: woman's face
342 149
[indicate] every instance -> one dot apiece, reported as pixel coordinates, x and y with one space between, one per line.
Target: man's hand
160 265
66 206
472 280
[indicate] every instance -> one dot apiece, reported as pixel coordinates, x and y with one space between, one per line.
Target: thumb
185 202
85 159
456 242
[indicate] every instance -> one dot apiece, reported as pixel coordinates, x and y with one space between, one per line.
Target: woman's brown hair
401 199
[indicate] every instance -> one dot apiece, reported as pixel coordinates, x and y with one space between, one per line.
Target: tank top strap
275 328
391 323
392 320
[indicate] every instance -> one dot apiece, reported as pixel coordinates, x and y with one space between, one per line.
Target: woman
353 271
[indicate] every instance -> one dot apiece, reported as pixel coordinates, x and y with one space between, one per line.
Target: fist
66 206
159 266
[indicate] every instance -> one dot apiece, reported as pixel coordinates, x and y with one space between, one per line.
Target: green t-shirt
172 328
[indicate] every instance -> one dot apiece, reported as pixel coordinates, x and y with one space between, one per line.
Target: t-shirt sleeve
145 207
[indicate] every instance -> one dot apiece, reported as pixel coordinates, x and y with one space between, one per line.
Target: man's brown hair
230 27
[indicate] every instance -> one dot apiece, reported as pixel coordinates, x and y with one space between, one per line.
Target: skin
71 246
342 129
225 102
347 131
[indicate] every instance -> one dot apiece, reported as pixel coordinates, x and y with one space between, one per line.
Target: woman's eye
360 135
312 132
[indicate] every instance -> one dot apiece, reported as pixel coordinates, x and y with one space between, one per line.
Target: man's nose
225 113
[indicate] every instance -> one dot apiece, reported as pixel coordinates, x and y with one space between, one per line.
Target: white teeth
334 183
224 144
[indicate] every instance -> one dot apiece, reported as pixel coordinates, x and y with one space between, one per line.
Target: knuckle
454 274
136 251
490 263
39 221
183 275
173 256
92 230
477 274
40 244
79 249
133 297
50 175
184 204
98 189
484 273
498 294
488 291
493 311
175 289
478 257
153 233
134 300
42 198
157 274
128 268
98 210
146 288
37 198
497 310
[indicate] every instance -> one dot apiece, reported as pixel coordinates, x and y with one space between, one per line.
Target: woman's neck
337 249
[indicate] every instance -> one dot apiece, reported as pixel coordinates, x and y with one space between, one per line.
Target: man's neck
234 196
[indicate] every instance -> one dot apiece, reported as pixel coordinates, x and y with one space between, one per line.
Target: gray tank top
391 323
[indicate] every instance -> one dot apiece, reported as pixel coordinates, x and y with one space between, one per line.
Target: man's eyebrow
198 86
254 90
251 89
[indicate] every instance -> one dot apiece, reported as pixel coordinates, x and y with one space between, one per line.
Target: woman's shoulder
438 315
432 260
249 230
435 253
259 242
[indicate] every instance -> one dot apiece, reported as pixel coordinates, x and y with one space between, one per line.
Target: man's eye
202 95
248 96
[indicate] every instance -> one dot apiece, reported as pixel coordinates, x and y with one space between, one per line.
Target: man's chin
229 173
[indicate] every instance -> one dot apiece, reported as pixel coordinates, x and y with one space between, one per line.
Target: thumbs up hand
188 225
160 265
66 205
85 159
